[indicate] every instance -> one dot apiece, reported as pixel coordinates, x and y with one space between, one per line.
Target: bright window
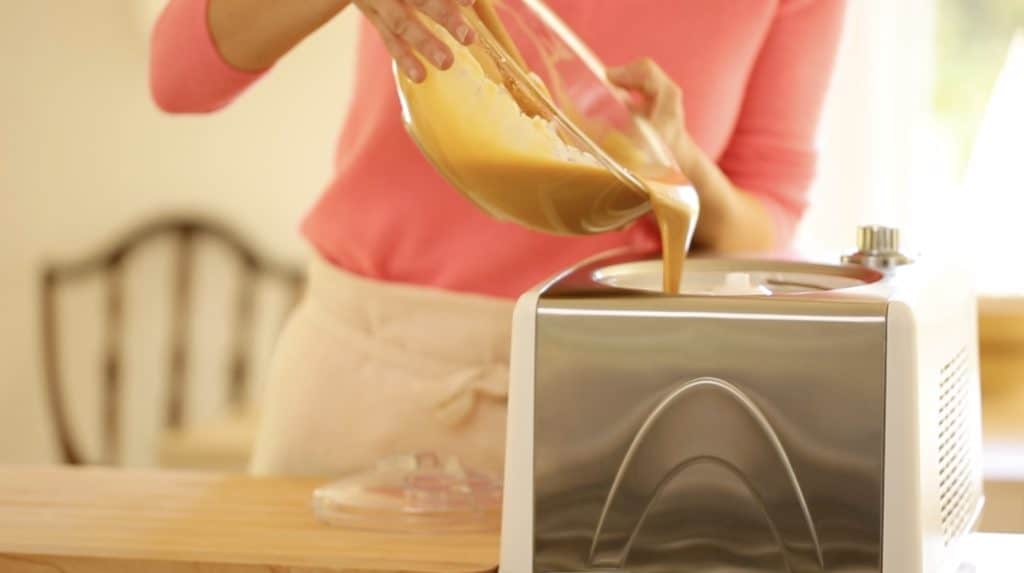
973 38
979 105
924 130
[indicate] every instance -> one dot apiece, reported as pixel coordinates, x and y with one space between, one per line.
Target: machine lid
412 493
729 277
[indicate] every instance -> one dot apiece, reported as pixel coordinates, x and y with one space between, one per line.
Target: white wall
84 154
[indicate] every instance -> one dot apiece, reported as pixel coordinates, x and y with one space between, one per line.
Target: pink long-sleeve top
753 73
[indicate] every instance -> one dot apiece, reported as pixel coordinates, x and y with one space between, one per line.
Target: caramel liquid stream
520 176
675 221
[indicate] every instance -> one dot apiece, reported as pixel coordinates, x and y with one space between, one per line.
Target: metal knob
877 247
878 240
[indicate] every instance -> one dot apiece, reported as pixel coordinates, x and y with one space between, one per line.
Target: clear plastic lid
422 492
527 126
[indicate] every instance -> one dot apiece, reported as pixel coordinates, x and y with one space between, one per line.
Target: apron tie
466 387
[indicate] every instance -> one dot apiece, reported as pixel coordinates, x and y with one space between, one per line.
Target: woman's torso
388 215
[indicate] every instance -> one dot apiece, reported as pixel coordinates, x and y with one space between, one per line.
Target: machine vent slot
959 479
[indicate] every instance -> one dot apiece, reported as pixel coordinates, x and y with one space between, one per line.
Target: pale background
84 154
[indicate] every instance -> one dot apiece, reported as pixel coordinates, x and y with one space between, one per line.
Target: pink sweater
753 73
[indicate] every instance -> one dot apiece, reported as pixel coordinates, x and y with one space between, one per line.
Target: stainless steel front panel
707 434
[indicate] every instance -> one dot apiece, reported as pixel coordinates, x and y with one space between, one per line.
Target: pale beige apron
366 369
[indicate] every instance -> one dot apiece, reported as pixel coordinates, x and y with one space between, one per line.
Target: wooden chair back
186 234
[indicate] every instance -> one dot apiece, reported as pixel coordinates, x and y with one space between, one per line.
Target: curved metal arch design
682 467
650 423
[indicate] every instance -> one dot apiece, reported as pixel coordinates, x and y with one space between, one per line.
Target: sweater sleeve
187 74
772 153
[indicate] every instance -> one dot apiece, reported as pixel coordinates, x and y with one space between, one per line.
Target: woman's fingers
399 50
403 23
646 77
639 75
405 34
447 14
664 98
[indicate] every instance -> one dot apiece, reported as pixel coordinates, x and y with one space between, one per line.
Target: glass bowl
526 125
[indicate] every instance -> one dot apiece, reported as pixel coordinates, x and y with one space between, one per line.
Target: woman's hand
404 34
660 101
730 219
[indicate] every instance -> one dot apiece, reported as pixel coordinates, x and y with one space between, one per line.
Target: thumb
637 75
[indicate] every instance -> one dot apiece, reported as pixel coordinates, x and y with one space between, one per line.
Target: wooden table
1003 421
1001 342
222 444
113 521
